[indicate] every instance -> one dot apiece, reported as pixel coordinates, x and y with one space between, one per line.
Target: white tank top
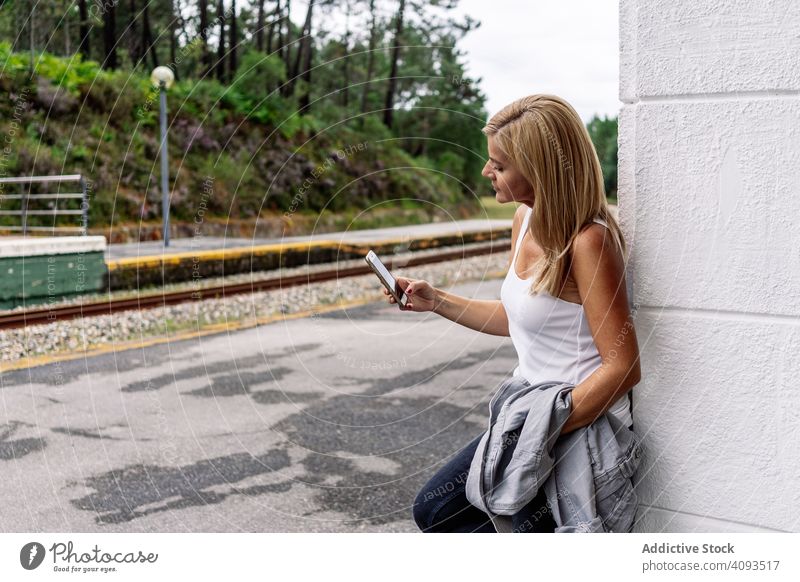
552 336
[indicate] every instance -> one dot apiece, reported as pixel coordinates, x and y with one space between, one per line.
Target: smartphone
386 278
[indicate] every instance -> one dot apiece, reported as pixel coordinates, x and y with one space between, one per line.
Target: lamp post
162 77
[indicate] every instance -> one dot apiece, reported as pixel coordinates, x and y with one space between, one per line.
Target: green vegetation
494 210
266 117
259 155
604 136
338 116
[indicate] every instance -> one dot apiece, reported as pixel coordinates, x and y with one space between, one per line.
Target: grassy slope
260 159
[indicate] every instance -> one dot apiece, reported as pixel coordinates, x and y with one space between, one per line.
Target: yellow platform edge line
233 253
239 252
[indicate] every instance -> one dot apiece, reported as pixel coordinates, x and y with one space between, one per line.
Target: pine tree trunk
279 20
66 30
173 38
84 46
219 66
346 43
260 27
276 14
308 47
233 42
388 113
134 41
286 90
303 46
271 29
147 37
110 37
205 59
370 61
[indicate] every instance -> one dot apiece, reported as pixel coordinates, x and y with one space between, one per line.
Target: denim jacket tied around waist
586 473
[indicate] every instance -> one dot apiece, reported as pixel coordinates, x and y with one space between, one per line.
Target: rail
161 298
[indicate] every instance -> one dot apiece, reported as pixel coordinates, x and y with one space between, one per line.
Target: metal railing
26 197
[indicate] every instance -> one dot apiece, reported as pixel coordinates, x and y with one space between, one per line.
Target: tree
373 33
134 40
260 27
604 137
110 36
233 43
205 56
346 57
305 38
83 45
147 36
275 19
388 112
285 47
431 28
433 109
219 66
67 6
306 46
174 16
280 29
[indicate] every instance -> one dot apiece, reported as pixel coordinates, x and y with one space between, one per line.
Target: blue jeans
442 506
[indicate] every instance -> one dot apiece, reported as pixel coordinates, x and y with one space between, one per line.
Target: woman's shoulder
593 240
519 217
516 225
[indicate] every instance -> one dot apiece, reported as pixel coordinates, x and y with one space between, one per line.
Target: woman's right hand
420 294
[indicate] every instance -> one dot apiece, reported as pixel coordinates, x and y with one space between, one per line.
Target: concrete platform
30 246
147 264
183 245
38 270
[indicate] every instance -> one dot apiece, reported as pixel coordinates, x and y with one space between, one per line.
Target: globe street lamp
162 77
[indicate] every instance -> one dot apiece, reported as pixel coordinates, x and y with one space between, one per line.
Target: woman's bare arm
485 315
599 270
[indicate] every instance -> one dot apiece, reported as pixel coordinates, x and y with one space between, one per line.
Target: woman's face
508 183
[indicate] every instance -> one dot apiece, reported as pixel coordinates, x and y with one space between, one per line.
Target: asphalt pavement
327 423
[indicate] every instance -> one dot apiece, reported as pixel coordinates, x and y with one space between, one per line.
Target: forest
360 110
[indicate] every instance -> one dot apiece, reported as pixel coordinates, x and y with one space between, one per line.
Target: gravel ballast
84 334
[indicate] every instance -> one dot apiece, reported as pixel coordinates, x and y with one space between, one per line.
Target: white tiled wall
709 199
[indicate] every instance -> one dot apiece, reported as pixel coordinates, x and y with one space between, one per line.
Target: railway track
39 316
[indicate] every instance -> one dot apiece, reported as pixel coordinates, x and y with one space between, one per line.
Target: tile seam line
725 314
731 96
710 517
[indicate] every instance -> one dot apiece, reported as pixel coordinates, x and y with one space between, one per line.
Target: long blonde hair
545 138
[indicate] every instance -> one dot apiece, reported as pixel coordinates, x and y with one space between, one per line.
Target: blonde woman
563 301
